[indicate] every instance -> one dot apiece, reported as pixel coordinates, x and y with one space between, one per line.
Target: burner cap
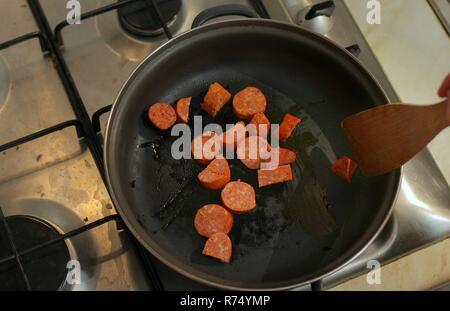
141 19
45 268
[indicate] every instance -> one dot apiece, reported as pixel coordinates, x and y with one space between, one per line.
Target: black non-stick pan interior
299 230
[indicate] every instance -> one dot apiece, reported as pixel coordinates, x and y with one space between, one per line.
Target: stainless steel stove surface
442 9
53 185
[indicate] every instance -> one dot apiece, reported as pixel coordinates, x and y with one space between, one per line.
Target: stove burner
45 268
141 19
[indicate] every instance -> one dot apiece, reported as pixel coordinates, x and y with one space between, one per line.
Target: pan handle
223 10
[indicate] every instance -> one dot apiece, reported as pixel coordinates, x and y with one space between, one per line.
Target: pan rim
218 25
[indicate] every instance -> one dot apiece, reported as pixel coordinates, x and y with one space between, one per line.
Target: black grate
45 269
13 259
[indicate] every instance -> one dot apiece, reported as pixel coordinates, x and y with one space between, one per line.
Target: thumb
445 87
448 106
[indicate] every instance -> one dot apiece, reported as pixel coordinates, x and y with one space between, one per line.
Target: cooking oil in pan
302 201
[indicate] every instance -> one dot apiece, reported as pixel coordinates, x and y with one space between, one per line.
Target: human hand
444 91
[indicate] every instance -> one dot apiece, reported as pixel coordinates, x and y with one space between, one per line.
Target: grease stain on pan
305 198
308 202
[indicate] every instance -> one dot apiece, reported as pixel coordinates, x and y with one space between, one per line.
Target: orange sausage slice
162 115
206 147
216 175
219 246
262 124
234 136
271 177
252 151
239 197
249 102
182 109
345 168
213 218
215 99
288 125
285 156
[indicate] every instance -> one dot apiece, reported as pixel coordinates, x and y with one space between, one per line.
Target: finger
445 87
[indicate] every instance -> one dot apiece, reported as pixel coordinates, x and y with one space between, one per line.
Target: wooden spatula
386 137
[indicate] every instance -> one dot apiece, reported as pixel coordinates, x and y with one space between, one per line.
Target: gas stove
57 82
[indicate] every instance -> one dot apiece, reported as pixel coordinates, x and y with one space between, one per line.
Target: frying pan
300 231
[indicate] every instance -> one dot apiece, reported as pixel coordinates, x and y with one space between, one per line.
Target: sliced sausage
287 126
206 147
239 197
162 115
215 99
219 246
271 177
252 151
249 102
344 168
182 109
216 175
279 157
213 218
234 136
261 123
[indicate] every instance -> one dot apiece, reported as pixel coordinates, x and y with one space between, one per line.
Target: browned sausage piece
271 177
216 175
261 123
182 109
249 102
213 218
288 125
215 99
239 197
204 148
162 115
285 156
345 168
252 151
234 136
219 246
